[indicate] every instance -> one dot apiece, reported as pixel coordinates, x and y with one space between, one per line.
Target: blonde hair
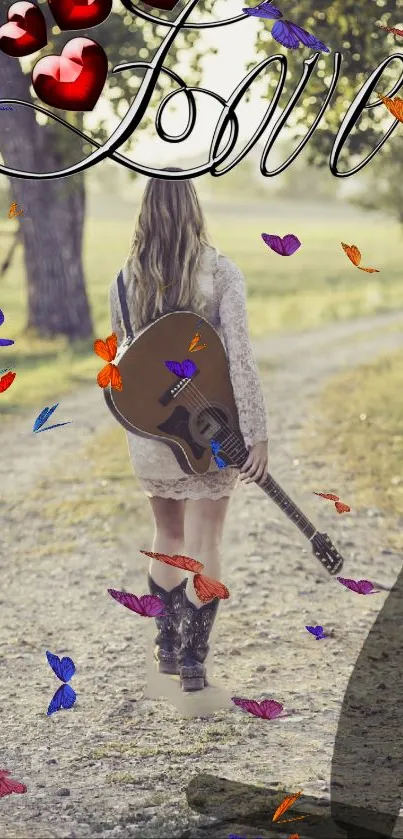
165 251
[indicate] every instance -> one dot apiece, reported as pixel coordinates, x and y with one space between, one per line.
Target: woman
171 267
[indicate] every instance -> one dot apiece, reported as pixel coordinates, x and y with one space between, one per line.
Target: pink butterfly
285 246
359 586
148 606
268 709
7 785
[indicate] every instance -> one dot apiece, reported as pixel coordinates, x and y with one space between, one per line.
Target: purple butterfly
268 709
359 586
317 631
148 605
4 342
183 371
284 32
285 246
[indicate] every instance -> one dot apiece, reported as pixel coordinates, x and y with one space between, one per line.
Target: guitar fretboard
237 454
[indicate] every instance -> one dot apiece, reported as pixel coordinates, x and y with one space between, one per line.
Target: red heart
79 14
74 80
166 5
25 31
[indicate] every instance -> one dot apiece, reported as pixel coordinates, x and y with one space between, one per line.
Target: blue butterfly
215 448
317 631
43 417
65 696
284 32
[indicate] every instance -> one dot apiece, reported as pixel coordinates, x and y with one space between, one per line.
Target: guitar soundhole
178 424
207 424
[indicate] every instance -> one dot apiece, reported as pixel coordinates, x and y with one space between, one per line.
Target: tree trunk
53 219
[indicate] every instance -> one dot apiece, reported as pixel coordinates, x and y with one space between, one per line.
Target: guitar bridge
175 390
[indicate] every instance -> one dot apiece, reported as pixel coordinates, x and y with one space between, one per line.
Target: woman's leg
168 539
167 582
204 522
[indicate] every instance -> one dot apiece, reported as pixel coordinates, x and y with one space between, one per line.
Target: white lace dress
223 289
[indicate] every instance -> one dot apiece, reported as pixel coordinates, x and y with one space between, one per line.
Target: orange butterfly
285 805
340 507
294 836
110 373
196 345
206 588
178 561
354 256
395 106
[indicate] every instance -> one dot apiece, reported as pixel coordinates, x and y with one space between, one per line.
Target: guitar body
187 413
183 423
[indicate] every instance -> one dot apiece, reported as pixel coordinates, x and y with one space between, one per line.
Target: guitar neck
236 453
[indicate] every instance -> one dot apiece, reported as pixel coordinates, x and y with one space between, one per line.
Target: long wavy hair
165 251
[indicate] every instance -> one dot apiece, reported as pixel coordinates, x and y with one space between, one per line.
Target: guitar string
236 442
202 402
298 516
192 392
198 400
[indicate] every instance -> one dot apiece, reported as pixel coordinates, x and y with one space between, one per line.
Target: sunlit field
316 285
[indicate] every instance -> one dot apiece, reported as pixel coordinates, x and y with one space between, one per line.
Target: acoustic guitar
187 413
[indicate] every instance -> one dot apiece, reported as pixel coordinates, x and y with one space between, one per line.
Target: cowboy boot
196 628
168 639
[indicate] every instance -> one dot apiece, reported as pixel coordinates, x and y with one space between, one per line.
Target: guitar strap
124 307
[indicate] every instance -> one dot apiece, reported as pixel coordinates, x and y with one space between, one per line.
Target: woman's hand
255 468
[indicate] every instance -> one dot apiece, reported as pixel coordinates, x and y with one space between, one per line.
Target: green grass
315 286
367 438
92 492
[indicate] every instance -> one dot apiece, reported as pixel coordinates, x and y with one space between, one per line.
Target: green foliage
380 185
242 180
352 28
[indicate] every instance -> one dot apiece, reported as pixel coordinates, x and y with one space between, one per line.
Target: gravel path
117 765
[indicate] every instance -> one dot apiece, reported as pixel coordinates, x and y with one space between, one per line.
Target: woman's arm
116 315
243 368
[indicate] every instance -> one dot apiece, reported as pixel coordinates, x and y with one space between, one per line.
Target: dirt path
118 764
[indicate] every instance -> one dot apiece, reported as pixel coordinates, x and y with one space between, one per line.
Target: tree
380 186
52 235
351 27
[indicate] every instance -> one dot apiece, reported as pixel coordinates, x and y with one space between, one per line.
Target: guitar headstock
324 549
